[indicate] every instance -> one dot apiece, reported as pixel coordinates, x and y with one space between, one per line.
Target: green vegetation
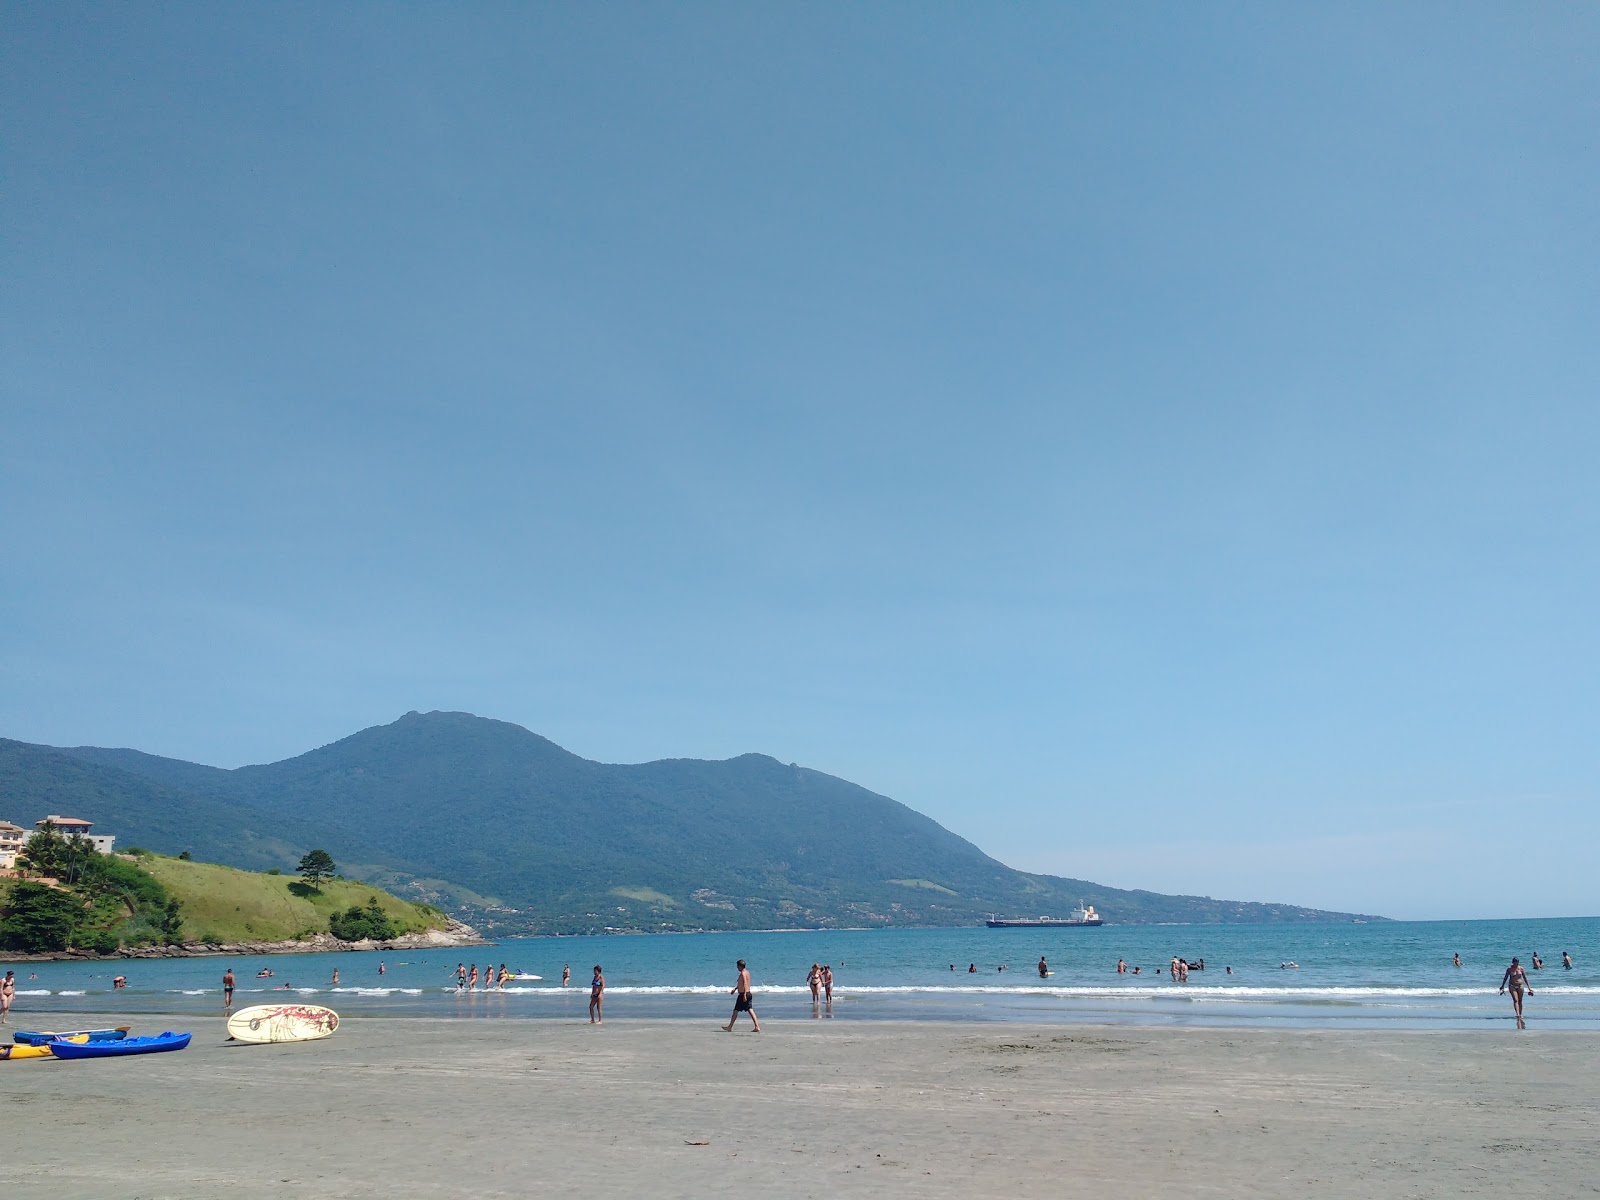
39 919
356 924
223 904
926 884
647 895
521 836
101 902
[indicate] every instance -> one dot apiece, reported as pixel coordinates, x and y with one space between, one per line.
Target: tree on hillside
316 866
45 853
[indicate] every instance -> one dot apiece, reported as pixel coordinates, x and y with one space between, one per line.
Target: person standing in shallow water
1516 979
566 974
227 990
597 995
744 1000
8 993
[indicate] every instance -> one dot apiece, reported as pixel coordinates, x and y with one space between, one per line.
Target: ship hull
992 924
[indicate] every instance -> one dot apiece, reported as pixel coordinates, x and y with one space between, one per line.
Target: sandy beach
437 1108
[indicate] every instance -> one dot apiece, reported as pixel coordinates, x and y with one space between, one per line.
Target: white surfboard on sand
282 1023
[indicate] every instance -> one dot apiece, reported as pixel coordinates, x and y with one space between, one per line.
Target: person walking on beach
827 988
227 990
814 982
8 993
597 995
744 1000
1516 979
566 974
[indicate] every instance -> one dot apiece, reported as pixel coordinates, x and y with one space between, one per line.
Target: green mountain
516 833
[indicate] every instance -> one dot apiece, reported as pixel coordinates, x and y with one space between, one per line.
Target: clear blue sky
1159 442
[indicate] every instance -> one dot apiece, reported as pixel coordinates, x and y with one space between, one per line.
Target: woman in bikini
1516 979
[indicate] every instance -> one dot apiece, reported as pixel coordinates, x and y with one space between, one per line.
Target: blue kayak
138 1045
24 1038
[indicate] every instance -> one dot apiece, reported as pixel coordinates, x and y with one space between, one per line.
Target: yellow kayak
36 1051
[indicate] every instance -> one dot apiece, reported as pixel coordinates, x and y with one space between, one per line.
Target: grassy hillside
223 904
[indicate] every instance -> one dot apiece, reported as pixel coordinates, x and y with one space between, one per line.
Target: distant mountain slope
36 781
575 845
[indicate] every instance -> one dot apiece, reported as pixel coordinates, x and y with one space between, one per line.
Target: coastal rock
455 934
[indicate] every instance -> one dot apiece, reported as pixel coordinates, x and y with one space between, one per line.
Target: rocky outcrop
454 934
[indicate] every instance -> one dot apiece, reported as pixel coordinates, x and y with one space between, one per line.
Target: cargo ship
1081 916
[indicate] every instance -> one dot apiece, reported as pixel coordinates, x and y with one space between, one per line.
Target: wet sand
438 1108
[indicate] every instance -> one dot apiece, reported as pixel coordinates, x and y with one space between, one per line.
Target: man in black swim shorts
743 1000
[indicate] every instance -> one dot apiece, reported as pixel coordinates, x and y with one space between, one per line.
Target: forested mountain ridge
492 820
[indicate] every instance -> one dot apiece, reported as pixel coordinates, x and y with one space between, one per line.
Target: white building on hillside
12 839
67 826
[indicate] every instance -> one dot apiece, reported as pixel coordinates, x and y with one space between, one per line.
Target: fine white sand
437 1108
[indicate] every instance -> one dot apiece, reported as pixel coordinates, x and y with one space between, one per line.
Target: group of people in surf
467 979
820 980
1180 967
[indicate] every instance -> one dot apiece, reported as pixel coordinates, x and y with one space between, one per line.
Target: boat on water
138 1045
1082 916
24 1037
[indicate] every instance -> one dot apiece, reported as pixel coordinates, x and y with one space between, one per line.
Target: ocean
1383 975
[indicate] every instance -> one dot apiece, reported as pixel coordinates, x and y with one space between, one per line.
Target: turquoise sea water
1379 975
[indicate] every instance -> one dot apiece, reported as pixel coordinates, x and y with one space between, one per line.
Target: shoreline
422 1107
454 935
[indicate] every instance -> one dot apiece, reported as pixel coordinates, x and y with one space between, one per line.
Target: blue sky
1156 442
